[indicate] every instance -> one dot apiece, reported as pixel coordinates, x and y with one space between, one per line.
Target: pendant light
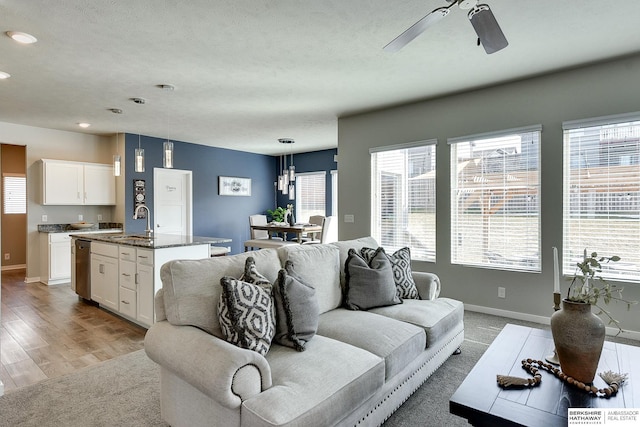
288 174
117 160
139 157
167 146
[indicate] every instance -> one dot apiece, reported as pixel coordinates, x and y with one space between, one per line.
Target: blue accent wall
214 215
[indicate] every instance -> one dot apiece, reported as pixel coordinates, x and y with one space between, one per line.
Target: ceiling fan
489 33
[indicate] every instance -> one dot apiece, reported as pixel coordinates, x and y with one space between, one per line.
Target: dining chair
260 238
329 232
315 220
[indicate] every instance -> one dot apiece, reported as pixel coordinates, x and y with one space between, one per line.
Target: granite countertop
102 227
157 241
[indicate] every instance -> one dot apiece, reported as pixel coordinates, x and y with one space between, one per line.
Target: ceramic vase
578 335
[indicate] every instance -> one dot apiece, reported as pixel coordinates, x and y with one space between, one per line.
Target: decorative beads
532 366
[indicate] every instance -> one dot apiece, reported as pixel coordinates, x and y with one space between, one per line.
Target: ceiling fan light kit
480 15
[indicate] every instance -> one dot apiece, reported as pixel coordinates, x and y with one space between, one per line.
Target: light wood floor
48 331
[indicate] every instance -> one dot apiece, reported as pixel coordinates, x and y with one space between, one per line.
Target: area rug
125 391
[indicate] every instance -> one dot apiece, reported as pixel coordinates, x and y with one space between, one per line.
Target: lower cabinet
104 275
125 279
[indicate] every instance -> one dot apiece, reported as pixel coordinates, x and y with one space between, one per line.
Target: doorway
172 201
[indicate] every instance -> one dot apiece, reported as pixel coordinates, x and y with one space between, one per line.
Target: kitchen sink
131 238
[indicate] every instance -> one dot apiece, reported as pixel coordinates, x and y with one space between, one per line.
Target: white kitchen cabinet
104 275
77 183
136 284
99 185
145 287
55 257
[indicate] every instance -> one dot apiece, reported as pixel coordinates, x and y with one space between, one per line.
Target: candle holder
553 357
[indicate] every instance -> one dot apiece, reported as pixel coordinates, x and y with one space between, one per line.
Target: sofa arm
222 371
428 284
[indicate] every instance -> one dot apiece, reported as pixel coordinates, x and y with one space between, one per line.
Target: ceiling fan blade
416 29
487 28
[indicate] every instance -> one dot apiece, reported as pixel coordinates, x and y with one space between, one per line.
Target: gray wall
596 90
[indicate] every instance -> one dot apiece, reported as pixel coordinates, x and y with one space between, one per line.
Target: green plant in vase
588 286
277 215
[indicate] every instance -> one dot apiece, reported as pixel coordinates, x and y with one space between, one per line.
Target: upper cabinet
77 183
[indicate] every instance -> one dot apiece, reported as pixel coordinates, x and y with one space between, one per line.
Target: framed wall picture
234 186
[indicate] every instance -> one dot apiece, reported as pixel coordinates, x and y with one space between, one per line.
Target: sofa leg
458 351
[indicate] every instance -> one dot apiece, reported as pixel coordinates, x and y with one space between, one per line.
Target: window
601 205
495 200
14 194
310 195
334 193
403 198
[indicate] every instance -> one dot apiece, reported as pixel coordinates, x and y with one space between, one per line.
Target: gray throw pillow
245 310
401 267
369 284
296 309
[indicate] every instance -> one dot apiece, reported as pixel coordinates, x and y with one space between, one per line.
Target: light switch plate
349 218
44 218
80 217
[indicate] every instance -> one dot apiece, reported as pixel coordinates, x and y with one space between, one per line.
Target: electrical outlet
349 218
44 218
502 292
99 217
80 217
7 256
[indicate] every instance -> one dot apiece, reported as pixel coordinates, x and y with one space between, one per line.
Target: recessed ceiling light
4 75
84 125
23 38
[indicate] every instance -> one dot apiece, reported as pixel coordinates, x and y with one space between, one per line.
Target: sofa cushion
192 287
398 343
369 284
401 267
357 244
437 317
318 267
246 315
296 309
315 387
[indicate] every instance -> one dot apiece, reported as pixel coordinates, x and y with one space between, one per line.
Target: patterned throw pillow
296 309
245 310
369 284
401 267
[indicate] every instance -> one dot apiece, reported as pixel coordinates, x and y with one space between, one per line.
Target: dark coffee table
483 403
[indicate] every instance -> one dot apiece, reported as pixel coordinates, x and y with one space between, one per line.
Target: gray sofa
357 370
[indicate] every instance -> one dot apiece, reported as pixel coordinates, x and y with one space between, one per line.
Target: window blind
495 199
14 194
310 195
334 193
601 198
403 198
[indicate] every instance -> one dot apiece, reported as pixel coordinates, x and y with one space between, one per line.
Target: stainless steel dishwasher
83 268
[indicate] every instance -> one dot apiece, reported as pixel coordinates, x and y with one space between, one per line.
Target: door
172 203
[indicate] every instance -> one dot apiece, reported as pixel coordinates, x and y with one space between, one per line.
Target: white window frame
14 194
304 208
495 199
334 192
413 226
601 196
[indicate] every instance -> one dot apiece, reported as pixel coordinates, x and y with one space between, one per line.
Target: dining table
297 229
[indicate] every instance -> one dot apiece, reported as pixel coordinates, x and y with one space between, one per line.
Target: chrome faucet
148 231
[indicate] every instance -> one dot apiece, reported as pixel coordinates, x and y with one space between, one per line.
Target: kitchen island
125 268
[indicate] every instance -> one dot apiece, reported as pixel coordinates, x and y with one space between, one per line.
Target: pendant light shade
167 154
117 165
287 174
139 158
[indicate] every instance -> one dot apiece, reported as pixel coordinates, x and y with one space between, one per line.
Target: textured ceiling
249 72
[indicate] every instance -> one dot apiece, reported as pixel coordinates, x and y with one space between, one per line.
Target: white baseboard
1 389
14 267
634 335
31 279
